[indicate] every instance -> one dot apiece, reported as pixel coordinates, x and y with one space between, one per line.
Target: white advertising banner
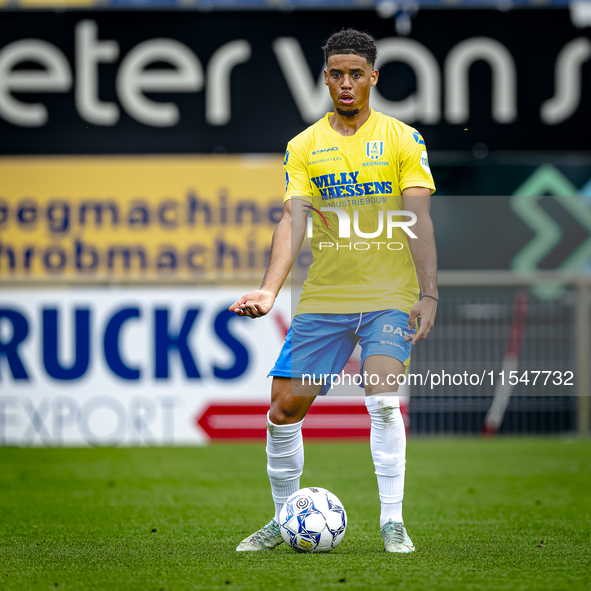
113 366
149 366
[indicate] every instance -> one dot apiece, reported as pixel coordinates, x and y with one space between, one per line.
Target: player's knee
279 415
382 406
380 388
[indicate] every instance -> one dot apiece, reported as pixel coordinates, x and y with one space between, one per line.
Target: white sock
388 450
285 461
391 511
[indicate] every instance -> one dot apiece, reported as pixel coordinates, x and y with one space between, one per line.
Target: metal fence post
583 362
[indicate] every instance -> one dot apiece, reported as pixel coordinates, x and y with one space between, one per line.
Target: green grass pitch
500 514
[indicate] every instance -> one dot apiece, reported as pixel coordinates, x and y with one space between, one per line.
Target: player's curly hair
351 41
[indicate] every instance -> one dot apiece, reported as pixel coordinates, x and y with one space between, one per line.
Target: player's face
349 79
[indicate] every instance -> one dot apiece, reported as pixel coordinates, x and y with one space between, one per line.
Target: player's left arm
424 254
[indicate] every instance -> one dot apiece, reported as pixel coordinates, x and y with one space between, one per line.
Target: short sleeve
297 178
414 163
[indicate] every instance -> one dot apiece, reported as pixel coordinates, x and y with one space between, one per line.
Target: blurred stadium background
141 179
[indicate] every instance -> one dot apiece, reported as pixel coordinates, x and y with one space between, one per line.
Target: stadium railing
472 332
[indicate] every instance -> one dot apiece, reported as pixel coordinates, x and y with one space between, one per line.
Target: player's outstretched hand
254 304
425 310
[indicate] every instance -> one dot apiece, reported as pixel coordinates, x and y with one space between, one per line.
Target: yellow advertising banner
138 218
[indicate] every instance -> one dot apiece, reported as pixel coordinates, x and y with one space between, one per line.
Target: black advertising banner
243 82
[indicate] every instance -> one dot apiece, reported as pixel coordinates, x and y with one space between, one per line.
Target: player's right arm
287 240
288 236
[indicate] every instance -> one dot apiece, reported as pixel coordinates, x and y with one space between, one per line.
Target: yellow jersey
351 185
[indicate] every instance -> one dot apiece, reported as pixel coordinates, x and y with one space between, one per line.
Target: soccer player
373 171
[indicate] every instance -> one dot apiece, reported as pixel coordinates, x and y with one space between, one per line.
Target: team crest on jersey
374 150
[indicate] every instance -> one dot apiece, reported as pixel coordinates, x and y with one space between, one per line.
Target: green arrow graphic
583 215
548 234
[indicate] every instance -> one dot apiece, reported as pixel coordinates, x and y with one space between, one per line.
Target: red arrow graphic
248 421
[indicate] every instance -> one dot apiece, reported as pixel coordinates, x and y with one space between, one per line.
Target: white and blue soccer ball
313 520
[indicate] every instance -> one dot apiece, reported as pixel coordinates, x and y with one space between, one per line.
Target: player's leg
388 449
290 401
313 344
388 435
383 360
318 344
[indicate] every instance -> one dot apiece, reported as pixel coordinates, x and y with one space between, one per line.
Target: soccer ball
313 520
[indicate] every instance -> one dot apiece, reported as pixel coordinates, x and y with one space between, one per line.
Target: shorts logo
388 328
374 150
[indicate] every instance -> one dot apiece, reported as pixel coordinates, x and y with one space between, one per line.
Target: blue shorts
319 344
